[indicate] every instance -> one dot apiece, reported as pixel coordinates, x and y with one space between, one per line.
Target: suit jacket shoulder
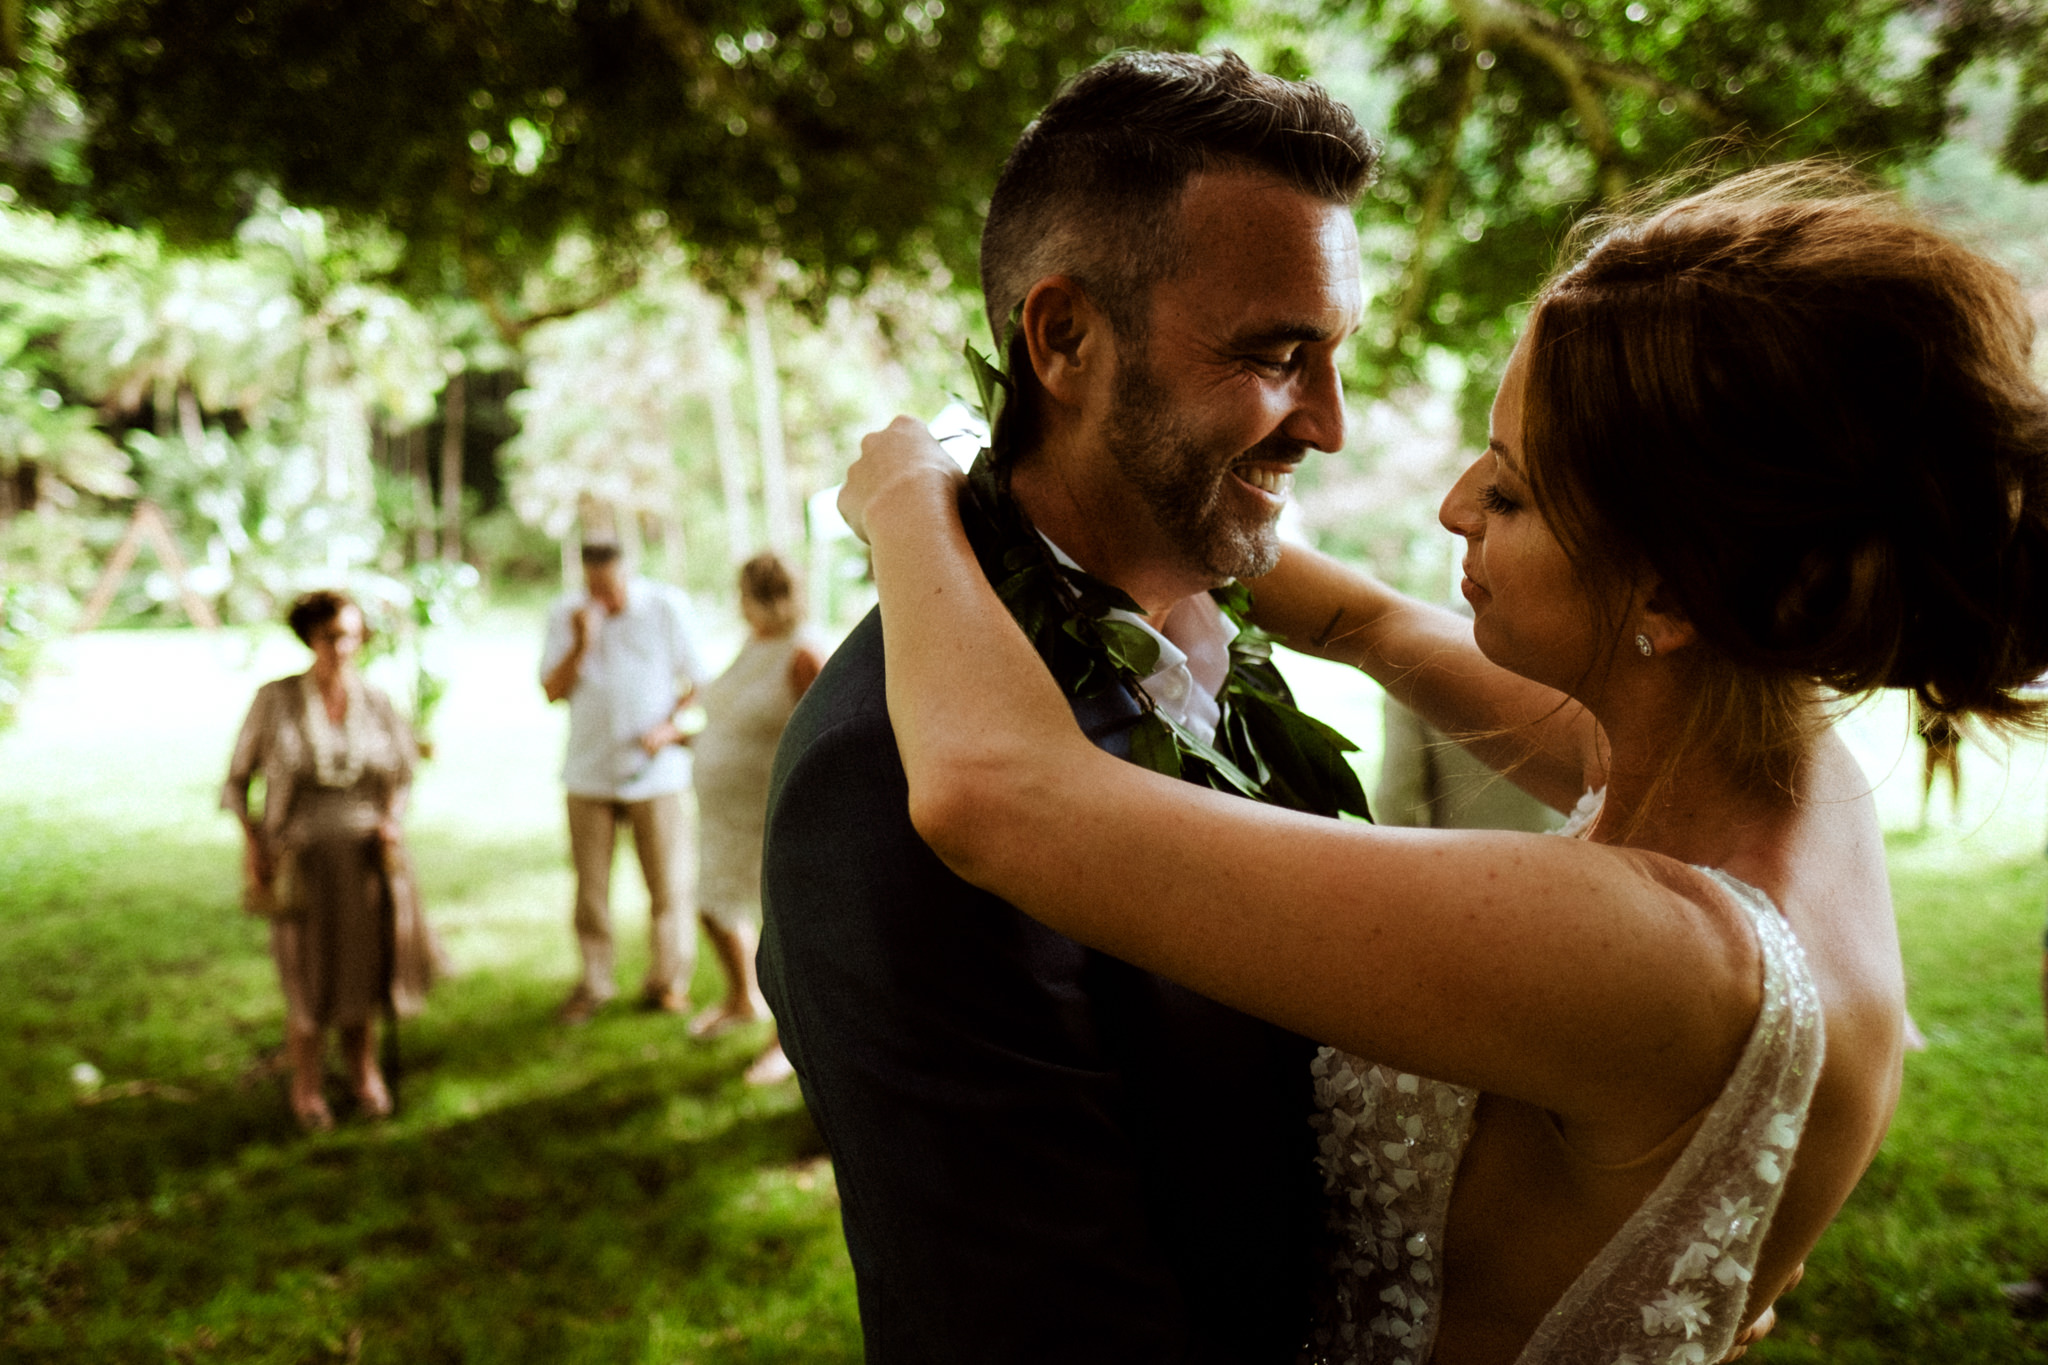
1011 1115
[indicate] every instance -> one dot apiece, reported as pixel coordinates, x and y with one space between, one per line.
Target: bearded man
1043 1153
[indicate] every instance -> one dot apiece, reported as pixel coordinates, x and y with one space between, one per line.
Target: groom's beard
1185 481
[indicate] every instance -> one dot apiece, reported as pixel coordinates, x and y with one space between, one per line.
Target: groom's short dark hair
1091 187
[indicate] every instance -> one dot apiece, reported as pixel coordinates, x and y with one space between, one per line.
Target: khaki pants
658 837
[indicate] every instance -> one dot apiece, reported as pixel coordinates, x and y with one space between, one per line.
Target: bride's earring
1643 645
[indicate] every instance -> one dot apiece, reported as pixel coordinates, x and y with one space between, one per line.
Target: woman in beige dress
745 710
323 861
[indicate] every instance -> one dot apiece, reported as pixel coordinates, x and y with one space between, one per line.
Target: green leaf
1131 648
990 382
1306 758
1232 777
1153 746
1236 600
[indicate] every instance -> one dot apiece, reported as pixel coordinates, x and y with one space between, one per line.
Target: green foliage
2012 34
29 614
262 367
439 591
44 431
260 507
610 393
1513 119
840 137
623 402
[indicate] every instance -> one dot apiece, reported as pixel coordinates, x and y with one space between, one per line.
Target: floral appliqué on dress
1670 1288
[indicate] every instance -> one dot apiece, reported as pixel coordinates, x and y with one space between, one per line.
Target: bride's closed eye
1492 500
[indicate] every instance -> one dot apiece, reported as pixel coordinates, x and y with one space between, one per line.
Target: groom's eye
1274 365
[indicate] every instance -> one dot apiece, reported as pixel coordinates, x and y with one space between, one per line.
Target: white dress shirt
1194 656
635 668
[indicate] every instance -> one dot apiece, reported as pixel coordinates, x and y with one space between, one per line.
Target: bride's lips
1474 591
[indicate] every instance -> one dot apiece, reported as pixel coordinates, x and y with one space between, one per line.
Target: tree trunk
422 479
454 414
191 425
10 32
768 422
1436 198
732 473
25 488
674 548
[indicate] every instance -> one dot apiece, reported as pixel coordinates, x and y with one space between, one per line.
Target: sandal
719 1020
312 1113
374 1096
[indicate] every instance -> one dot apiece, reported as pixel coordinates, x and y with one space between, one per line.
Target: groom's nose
1318 416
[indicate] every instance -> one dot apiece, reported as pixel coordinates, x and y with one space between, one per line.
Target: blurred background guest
745 710
323 859
624 656
1941 752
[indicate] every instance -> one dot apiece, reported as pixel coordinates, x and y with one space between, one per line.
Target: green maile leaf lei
1265 747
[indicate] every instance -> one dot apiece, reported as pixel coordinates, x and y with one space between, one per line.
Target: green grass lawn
615 1193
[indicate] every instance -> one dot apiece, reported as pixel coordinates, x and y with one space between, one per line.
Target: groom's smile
1235 379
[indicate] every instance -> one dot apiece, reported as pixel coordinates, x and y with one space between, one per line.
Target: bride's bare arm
1424 657
1611 987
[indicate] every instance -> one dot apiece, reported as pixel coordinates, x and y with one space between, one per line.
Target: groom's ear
1068 338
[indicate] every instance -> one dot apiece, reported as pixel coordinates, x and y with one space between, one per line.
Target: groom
1043 1153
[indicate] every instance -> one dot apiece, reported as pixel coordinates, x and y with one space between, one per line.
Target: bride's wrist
913 500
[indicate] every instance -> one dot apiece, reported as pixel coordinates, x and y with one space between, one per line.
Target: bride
1590 1098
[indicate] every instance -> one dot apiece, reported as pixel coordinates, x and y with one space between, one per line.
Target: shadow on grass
613 1193
575 1226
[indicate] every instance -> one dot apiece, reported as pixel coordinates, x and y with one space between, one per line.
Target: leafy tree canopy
1510 119
840 135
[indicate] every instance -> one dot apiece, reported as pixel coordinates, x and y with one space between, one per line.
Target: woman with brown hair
323 860
1587 1099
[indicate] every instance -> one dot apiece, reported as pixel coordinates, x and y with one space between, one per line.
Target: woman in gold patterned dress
322 857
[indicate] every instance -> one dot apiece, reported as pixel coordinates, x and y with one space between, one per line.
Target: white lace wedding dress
1669 1289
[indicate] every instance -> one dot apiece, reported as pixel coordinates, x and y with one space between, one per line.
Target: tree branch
1436 198
1540 35
711 83
683 39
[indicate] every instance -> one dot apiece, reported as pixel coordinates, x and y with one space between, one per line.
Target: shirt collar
1200 626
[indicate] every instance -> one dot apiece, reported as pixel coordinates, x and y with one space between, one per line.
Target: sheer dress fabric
745 710
1670 1288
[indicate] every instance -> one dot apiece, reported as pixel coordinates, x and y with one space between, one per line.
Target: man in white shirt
622 656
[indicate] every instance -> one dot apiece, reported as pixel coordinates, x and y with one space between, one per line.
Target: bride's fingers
1755 1332
903 449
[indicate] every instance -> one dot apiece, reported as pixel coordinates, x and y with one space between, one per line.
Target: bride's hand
903 455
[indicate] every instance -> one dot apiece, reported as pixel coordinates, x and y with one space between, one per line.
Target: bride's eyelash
1491 499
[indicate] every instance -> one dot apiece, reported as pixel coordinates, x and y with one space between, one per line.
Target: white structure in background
962 434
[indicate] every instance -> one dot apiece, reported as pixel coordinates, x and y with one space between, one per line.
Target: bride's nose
1460 514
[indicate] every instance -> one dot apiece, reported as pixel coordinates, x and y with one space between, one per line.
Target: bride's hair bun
1812 418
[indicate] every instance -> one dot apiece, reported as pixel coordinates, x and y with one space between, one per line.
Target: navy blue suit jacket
1043 1153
